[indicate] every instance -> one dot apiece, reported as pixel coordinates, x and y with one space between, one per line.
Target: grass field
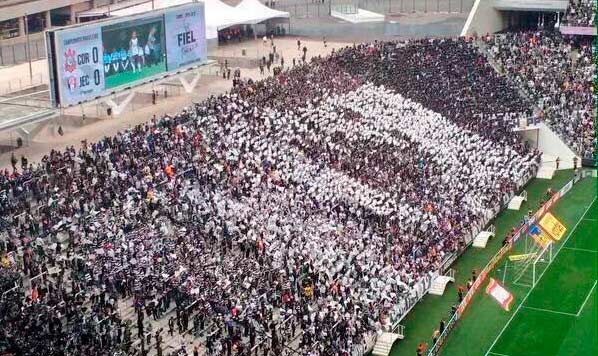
423 319
484 319
558 316
119 79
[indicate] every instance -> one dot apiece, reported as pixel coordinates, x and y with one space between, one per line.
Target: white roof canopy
218 14
258 12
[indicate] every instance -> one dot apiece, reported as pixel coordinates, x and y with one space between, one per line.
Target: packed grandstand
581 13
557 74
303 212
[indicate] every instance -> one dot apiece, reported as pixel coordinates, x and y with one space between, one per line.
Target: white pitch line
580 249
549 311
588 297
591 219
539 278
523 284
497 354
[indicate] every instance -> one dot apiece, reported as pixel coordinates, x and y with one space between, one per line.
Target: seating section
335 189
580 13
556 73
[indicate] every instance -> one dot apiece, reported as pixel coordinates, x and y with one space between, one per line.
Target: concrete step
515 203
481 240
545 172
439 285
384 343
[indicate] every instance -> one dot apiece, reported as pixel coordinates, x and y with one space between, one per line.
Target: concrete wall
484 18
532 5
80 7
14 8
98 3
551 145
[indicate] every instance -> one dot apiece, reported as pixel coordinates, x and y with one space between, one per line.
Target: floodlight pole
28 48
152 4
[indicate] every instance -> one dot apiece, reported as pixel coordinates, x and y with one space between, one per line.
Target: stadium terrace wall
494 261
578 30
484 18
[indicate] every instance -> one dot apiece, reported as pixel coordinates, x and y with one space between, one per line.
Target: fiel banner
553 226
500 294
481 278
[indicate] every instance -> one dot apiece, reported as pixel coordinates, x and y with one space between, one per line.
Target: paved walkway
76 130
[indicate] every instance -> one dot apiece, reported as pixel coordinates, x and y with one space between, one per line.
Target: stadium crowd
277 218
581 13
451 77
557 74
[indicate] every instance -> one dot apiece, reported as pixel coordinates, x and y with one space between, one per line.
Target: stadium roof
218 14
532 5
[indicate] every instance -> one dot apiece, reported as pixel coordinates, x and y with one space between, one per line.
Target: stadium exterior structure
43 14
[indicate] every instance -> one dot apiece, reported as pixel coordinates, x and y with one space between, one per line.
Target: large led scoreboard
92 60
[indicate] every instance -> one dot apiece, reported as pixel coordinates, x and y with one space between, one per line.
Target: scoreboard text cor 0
91 60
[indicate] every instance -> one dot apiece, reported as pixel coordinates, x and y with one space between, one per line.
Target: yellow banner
525 256
553 226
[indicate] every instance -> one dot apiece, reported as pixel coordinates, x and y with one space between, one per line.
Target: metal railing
10 290
398 329
451 273
17 53
313 9
347 9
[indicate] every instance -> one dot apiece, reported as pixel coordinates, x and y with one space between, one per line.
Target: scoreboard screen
133 51
92 60
81 71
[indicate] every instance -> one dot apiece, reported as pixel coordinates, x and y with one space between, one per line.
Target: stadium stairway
517 200
482 238
384 343
545 172
439 283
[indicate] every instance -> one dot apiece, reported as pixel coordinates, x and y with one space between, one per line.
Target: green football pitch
556 317
123 78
